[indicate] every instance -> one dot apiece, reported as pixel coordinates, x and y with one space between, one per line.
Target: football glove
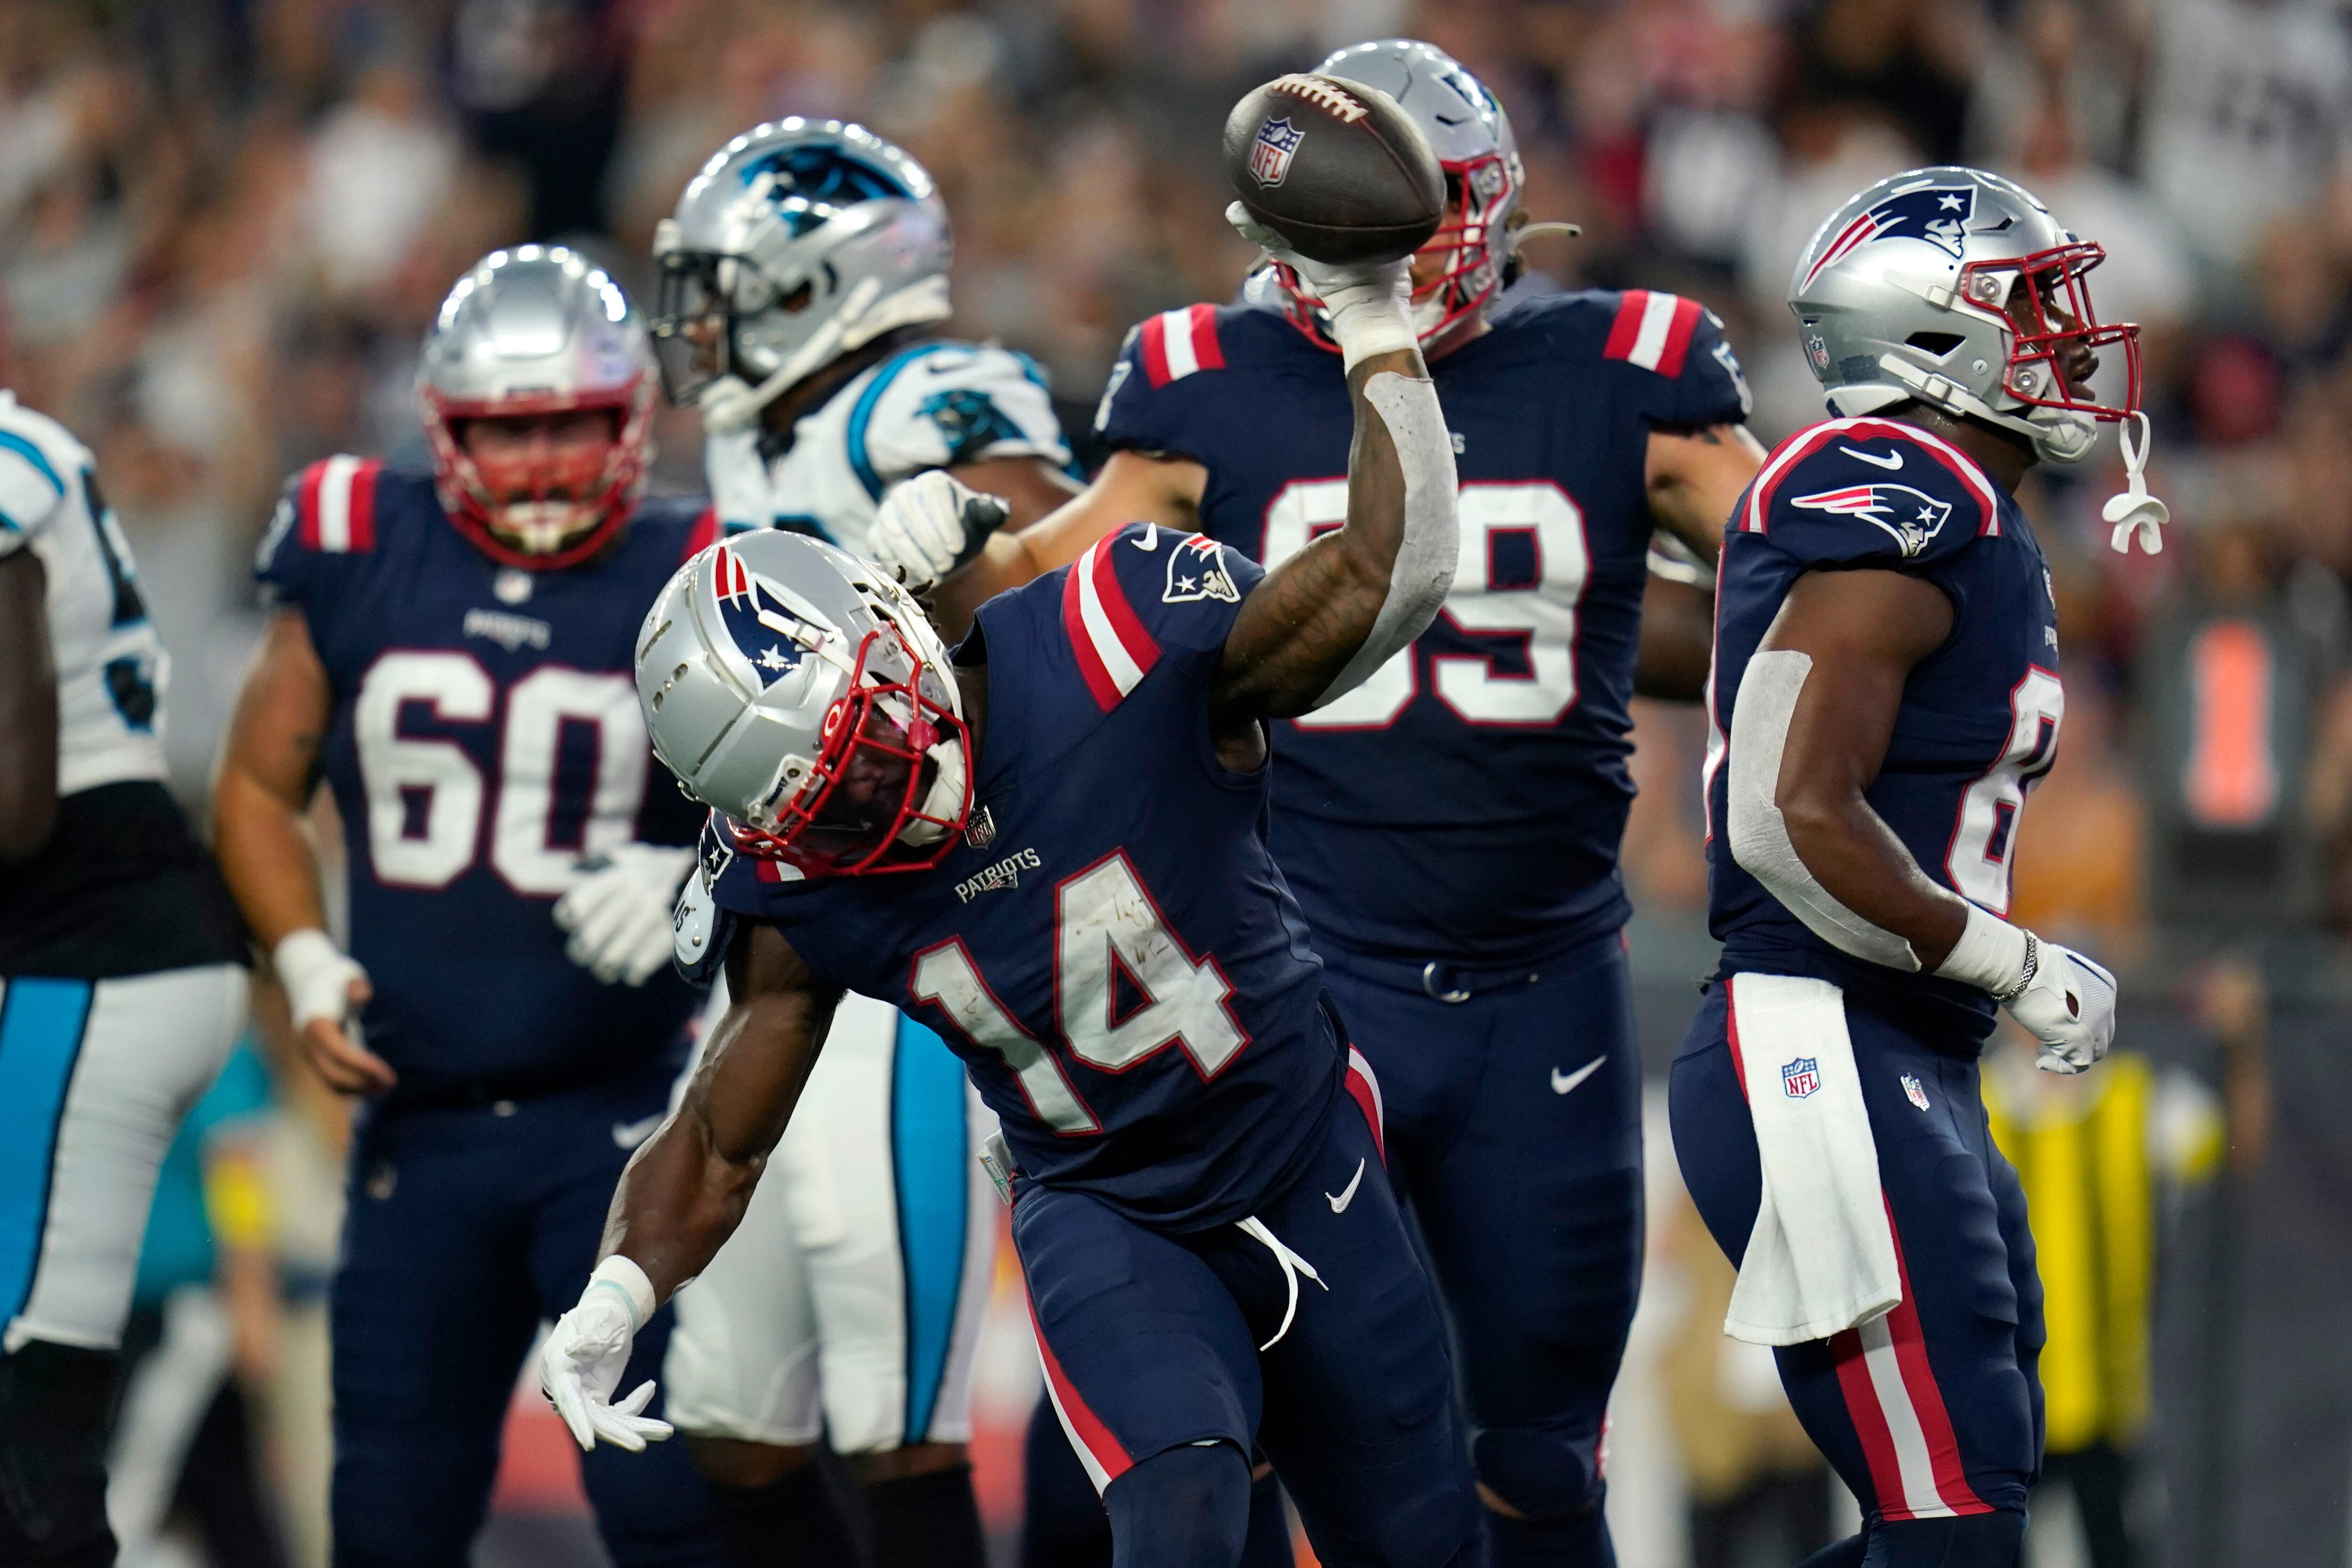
587 1350
928 526
1371 302
2057 995
618 914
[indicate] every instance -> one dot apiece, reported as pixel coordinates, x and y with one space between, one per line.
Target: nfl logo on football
1800 1079
1278 142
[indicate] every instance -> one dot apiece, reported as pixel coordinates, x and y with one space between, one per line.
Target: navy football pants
1150 1342
1934 1411
467 1227
1515 1132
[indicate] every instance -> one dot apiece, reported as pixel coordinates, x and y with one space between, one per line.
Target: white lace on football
1318 91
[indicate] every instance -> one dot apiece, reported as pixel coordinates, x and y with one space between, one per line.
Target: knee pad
1995 1540
56 1404
1181 1508
1544 1473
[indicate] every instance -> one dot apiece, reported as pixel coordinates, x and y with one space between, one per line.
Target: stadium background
225 223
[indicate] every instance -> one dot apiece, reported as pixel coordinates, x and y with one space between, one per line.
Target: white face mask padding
1424 572
1759 835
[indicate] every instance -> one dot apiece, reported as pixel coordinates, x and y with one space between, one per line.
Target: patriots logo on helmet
764 630
1911 518
1937 214
1196 570
1277 145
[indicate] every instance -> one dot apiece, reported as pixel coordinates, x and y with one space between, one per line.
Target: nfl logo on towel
1278 142
1800 1078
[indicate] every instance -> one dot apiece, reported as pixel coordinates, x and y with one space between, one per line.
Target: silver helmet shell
1906 292
1484 173
765 664
799 240
538 329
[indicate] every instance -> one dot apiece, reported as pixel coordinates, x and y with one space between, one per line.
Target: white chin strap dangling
2132 510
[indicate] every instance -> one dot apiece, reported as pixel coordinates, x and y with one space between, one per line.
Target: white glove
588 1349
618 914
316 975
2057 995
1371 302
930 525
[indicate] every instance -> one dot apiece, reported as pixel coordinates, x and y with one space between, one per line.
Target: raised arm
686 1189
1815 710
1321 622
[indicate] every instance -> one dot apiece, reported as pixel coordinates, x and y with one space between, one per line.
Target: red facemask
2057 294
1469 271
546 513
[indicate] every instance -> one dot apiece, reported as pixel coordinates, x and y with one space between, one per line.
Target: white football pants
848 1304
95 1078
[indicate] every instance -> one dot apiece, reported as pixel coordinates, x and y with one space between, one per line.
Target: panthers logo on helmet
1277 145
767 633
1937 214
1196 570
1911 518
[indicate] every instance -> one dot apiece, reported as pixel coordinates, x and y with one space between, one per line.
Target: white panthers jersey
112 668
936 404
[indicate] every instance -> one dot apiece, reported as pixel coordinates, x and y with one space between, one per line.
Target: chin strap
730 403
2132 510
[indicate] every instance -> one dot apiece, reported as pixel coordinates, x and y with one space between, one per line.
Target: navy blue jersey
1979 723
484 737
1111 950
1466 803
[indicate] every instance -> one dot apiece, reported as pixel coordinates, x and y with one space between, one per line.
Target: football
1335 168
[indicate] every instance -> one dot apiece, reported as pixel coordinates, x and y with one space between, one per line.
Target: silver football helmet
805 697
1957 287
536 331
800 240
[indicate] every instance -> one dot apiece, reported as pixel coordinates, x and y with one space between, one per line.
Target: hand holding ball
1336 170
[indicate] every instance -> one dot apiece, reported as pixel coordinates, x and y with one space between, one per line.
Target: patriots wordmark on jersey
1978 725
121 887
1114 958
485 738
1466 802
935 404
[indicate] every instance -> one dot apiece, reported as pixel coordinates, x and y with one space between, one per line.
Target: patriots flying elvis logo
771 636
1911 518
1276 143
1937 214
1196 570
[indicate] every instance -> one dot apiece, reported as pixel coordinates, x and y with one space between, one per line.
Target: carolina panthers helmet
800 240
805 696
1477 245
1957 287
537 330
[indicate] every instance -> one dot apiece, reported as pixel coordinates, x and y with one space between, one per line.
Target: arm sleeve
1680 366
32 490
957 404
1872 497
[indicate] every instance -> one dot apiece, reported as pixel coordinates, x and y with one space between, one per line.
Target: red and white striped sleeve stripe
1805 443
1105 1458
1178 343
1115 653
336 505
1652 330
1898 1412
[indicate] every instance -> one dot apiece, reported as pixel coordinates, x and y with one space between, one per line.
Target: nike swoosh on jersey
1347 1194
1891 461
629 1135
1561 1082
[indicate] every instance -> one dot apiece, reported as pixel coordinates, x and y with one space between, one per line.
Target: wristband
316 973
1992 956
1380 325
621 1274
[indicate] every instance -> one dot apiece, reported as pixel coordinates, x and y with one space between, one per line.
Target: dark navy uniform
1117 960
1451 827
484 737
1934 1410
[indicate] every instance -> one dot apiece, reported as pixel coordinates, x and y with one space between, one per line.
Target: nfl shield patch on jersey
1801 1078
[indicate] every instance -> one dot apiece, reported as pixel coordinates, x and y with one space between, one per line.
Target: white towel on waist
1822 1258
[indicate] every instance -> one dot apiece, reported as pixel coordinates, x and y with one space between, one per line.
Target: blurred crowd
225 224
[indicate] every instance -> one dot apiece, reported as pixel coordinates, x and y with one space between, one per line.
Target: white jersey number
425 797
1985 837
1543 616
1106 923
